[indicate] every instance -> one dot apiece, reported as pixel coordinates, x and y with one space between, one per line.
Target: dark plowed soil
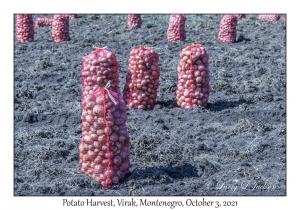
236 146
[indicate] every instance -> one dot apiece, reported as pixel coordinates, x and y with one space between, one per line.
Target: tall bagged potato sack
227 31
176 30
134 21
104 147
99 67
193 86
60 28
271 18
142 79
25 28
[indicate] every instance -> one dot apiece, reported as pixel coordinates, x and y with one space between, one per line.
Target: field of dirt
235 146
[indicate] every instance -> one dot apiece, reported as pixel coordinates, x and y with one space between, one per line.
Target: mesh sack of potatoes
43 22
193 86
142 79
99 67
104 147
25 28
269 17
60 28
227 31
176 30
134 21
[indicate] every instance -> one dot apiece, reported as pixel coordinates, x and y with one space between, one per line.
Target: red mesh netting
25 28
60 28
142 79
99 67
227 32
269 17
104 146
176 29
193 86
134 21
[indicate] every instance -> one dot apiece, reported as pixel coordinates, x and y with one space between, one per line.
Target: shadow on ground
221 105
